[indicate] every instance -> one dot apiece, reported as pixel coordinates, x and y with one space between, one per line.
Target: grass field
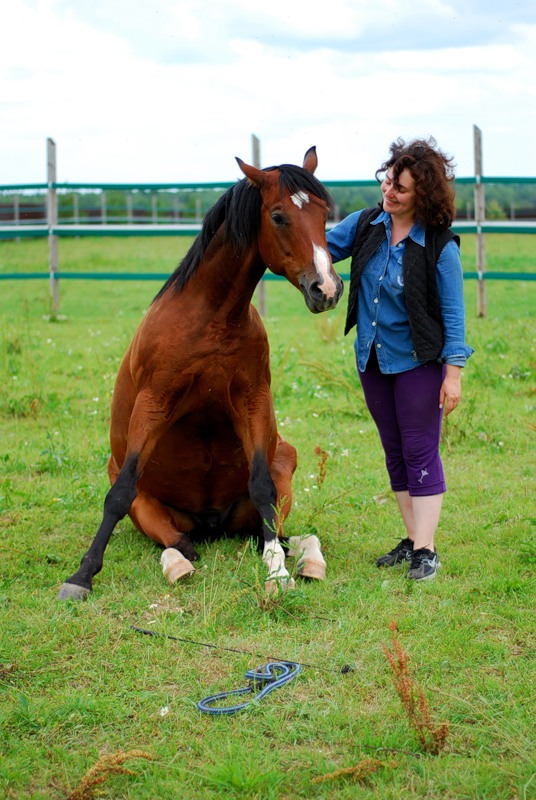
81 690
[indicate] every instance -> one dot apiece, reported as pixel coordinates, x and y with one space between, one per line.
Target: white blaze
300 199
322 266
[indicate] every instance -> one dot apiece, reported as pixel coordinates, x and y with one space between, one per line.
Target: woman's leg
405 408
379 392
419 419
421 517
405 506
426 513
379 397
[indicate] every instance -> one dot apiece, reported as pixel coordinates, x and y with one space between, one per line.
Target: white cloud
171 91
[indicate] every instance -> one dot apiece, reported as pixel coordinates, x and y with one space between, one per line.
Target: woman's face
399 199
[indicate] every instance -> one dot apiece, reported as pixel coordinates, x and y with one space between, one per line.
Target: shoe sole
426 577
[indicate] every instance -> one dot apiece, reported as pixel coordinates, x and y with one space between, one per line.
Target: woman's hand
451 389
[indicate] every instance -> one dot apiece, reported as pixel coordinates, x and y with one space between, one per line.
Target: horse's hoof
175 565
71 591
275 585
315 570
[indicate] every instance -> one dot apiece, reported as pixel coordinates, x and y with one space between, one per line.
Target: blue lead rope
271 676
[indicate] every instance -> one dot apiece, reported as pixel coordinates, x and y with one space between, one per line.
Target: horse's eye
278 219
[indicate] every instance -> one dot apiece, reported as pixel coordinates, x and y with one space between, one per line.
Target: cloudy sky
171 90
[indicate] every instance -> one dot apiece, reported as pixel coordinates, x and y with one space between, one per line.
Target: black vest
420 284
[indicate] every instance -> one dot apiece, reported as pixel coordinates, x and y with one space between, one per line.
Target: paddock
79 681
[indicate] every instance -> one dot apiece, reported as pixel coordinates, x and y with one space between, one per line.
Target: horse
195 450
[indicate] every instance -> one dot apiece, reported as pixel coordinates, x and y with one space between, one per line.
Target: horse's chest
207 437
200 463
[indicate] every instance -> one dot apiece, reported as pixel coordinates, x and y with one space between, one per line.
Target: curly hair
433 173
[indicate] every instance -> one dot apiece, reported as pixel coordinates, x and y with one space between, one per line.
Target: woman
406 297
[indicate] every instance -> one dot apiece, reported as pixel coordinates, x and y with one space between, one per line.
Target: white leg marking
322 265
274 557
300 199
278 576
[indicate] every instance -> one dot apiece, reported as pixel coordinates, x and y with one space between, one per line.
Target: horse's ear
310 160
253 174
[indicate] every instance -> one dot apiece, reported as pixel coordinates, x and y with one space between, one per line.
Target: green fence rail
161 187
268 276
143 228
178 229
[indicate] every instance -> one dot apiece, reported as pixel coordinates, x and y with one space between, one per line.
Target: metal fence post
52 219
480 215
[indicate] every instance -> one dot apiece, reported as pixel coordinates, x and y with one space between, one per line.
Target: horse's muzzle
321 296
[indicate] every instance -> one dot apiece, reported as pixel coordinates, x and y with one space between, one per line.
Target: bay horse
194 444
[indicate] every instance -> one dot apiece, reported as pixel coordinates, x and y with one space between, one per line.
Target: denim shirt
382 317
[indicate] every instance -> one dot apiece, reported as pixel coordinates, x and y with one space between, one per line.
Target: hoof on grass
71 591
316 570
273 586
175 565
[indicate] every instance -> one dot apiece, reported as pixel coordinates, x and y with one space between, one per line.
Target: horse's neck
223 283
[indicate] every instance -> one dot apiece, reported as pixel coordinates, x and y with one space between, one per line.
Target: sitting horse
194 444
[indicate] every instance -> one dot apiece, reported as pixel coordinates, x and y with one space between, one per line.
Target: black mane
238 209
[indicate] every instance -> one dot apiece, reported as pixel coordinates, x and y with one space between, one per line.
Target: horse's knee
123 492
282 469
285 458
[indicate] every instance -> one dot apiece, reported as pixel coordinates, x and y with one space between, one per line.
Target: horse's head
292 232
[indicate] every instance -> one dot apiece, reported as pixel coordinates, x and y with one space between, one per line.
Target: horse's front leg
147 424
264 496
116 506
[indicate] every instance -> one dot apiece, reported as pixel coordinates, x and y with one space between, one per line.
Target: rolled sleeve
450 287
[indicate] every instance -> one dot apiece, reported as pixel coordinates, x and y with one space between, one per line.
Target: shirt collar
417 233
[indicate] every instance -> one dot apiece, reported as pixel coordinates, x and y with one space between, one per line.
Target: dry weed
431 738
99 772
360 771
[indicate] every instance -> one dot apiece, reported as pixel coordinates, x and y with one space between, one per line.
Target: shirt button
378 345
375 299
373 324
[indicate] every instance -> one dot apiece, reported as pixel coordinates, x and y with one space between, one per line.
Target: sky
170 91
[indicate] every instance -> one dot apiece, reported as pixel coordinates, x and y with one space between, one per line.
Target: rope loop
269 676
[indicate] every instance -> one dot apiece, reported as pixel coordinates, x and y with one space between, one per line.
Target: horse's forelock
295 179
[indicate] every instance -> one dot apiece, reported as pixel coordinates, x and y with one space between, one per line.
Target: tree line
503 201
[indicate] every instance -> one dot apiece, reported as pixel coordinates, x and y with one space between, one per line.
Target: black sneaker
424 565
402 552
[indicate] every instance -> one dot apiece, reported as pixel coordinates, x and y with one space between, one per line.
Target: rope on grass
270 676
343 670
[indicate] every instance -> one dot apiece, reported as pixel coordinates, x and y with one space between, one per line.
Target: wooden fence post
104 216
256 155
52 219
480 215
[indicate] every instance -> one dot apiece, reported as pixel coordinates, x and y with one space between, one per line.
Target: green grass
77 682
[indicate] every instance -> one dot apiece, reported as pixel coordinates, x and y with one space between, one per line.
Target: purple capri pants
405 408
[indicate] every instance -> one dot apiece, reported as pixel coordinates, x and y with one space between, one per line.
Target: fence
29 220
